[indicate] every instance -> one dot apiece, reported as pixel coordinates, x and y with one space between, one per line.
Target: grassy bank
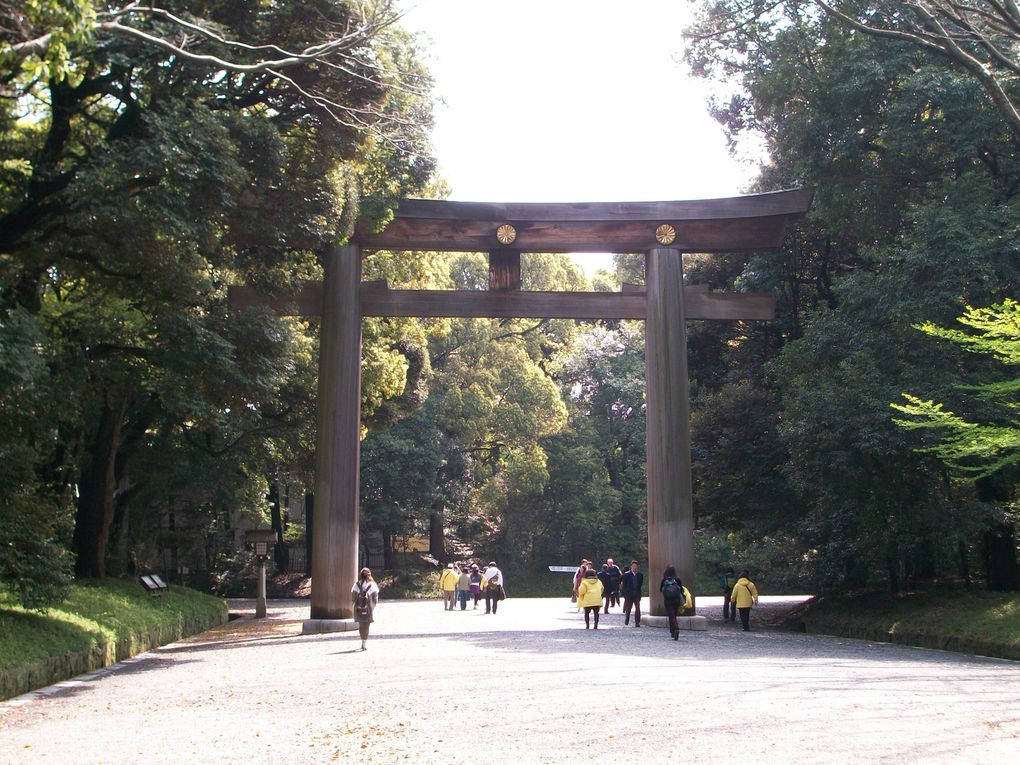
975 622
99 624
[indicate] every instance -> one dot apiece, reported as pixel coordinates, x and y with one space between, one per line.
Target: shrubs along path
99 624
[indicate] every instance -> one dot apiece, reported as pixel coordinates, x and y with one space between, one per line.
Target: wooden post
504 270
667 425
335 540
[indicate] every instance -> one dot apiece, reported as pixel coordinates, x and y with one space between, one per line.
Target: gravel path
528 685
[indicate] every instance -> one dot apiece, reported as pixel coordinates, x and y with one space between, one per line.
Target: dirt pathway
528 685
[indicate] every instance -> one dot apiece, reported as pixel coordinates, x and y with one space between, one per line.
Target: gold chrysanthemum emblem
665 234
506 234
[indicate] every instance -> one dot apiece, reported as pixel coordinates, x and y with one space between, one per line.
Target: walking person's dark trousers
488 600
729 609
636 603
745 618
671 614
608 598
591 610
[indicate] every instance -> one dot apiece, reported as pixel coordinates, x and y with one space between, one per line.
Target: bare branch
928 31
346 48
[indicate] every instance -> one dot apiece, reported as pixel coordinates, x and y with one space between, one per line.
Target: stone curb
318 626
693 623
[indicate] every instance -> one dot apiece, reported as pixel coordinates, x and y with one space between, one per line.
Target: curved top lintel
789 202
751 222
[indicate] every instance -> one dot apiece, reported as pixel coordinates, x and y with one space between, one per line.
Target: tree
976 449
979 36
346 35
914 173
602 374
139 180
35 514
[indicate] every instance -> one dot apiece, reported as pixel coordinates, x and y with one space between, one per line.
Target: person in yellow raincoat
589 597
744 595
448 584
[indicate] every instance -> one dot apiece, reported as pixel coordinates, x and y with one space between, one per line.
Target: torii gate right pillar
667 425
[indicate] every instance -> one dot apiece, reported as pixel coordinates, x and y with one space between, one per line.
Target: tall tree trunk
961 552
95 495
280 556
999 539
437 542
388 551
309 514
1000 558
120 530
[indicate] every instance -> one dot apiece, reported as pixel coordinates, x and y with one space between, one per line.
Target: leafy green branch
977 449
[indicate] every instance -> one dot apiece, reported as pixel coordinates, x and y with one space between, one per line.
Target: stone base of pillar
315 626
695 623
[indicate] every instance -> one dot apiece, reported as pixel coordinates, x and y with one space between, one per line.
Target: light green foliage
977 449
996 331
60 27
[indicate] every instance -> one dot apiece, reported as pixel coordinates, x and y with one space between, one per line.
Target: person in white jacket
493 580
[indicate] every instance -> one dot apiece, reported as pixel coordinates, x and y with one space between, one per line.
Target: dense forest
152 156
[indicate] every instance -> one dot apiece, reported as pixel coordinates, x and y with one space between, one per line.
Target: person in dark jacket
633 582
604 578
726 583
672 598
612 584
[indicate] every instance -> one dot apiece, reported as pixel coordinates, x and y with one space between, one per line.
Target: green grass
975 621
99 624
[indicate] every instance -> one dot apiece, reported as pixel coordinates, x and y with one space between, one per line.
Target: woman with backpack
365 593
673 598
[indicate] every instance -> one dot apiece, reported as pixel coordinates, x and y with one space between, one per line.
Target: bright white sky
570 101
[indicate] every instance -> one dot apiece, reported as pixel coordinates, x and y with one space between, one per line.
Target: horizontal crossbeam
753 222
378 300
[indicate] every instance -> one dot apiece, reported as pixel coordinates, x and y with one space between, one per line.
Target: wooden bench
154 585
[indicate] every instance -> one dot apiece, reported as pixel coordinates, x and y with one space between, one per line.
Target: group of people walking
464 582
739 594
595 591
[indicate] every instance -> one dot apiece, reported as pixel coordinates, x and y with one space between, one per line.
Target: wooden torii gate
660 230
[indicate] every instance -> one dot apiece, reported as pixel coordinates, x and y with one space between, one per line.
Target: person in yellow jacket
744 595
448 584
589 597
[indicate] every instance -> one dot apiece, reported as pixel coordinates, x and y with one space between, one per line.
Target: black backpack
672 592
362 606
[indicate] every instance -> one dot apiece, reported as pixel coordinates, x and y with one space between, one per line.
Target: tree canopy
154 154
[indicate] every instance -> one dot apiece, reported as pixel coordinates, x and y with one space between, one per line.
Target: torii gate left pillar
337 449
667 430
